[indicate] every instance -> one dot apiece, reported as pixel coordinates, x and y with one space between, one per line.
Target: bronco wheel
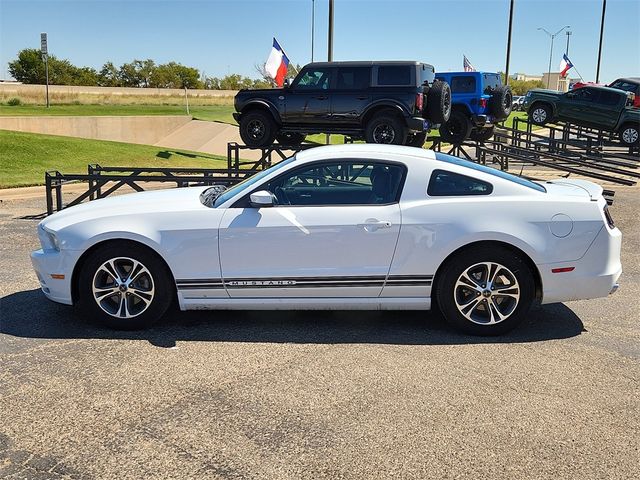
457 129
290 138
387 128
416 139
485 291
124 286
257 129
630 135
481 134
540 114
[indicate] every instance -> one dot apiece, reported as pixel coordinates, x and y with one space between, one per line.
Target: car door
332 234
308 101
351 96
576 106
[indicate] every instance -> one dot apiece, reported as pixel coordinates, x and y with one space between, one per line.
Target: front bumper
52 262
595 275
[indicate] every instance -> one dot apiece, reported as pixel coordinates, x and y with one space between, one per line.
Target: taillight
608 217
483 103
419 101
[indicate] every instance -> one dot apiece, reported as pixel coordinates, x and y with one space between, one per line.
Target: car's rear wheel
416 139
257 129
439 102
481 134
485 291
630 135
457 129
386 128
540 114
124 286
290 139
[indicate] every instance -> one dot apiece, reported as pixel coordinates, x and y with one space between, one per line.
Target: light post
313 24
568 37
330 46
506 70
553 36
604 10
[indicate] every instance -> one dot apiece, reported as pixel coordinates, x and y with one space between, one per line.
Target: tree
109 76
175 75
29 67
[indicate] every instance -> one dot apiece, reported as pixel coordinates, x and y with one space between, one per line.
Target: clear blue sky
217 36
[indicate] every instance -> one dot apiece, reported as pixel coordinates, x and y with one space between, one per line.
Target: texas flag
565 66
277 64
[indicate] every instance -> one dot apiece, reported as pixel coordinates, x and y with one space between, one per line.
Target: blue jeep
479 101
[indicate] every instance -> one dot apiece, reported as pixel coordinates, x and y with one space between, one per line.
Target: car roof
606 89
466 73
373 149
628 79
367 63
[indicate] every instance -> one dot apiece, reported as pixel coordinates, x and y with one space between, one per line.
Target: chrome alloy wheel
630 135
486 293
123 287
384 133
539 115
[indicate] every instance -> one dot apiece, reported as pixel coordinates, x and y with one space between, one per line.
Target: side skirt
378 303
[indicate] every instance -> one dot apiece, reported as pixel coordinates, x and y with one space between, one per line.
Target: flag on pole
277 64
565 66
466 64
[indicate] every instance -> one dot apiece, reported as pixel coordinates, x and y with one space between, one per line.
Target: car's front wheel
416 139
457 129
481 134
540 114
630 135
125 286
485 290
290 139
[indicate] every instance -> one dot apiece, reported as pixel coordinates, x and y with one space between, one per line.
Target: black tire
481 134
439 102
257 129
290 139
156 285
540 113
630 134
501 102
457 129
450 294
386 127
416 139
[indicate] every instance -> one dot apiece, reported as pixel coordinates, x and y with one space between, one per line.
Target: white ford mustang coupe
338 227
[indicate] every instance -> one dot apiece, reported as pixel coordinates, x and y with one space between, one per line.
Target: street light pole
604 9
313 24
330 46
506 70
553 36
568 37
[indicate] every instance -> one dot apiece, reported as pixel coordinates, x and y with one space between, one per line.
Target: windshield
491 171
248 182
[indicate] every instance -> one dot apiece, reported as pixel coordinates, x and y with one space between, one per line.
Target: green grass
214 113
24 157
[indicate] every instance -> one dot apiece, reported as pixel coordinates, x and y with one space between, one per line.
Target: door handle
371 225
321 97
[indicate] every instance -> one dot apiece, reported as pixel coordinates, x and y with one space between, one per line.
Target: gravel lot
316 395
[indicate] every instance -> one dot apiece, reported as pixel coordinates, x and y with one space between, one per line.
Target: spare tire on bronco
439 102
501 101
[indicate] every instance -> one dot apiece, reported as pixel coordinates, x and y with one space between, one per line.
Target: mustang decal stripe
306 282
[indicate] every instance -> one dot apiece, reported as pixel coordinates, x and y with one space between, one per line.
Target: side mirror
262 199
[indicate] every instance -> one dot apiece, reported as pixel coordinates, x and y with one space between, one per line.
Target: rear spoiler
594 190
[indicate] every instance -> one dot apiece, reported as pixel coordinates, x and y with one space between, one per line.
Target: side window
466 84
584 95
445 184
353 78
394 75
491 82
608 98
314 79
353 182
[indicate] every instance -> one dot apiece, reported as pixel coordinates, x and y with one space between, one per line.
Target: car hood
157 201
260 91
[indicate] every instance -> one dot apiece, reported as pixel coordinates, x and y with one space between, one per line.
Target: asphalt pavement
315 395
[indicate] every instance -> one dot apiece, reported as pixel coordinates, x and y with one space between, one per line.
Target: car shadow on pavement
28 314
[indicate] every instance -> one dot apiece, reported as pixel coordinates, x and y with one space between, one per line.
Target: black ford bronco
380 102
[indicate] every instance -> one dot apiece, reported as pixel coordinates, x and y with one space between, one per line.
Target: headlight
48 239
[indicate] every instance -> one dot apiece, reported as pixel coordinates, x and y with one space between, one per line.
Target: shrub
15 101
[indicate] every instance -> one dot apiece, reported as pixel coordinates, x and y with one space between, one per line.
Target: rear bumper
595 275
418 124
51 262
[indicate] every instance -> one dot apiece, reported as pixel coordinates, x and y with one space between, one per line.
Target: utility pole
330 46
604 9
506 70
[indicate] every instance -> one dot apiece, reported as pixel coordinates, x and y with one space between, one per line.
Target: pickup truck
395 102
604 108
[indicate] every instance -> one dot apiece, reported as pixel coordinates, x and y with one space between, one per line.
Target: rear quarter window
444 183
394 75
463 84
